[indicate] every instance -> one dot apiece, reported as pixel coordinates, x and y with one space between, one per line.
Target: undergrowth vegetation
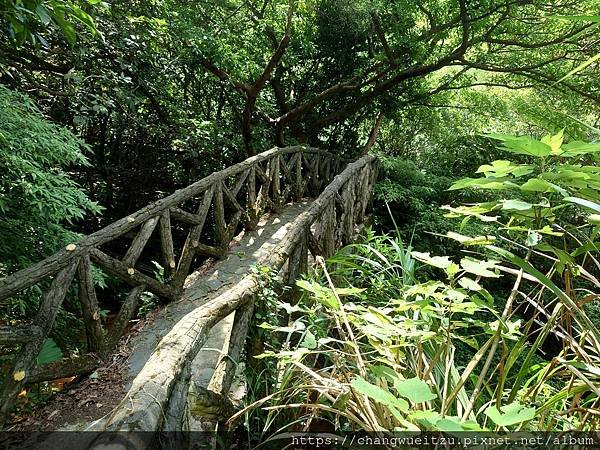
499 336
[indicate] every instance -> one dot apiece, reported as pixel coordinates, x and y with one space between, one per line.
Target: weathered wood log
275 182
25 278
364 194
224 373
293 268
144 405
251 202
209 250
138 244
19 334
219 211
288 179
298 187
285 169
260 173
192 240
329 226
89 306
210 404
240 183
285 195
313 244
232 200
348 216
262 198
177 414
44 319
132 276
231 229
166 244
326 173
80 365
315 175
126 313
303 263
186 217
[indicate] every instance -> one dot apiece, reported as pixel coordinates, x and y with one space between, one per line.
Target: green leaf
554 141
83 17
379 395
448 424
467 240
469 284
533 238
477 267
583 202
49 352
322 294
309 340
537 185
580 67
510 414
415 389
502 168
442 262
516 205
483 183
576 148
42 13
523 145
67 29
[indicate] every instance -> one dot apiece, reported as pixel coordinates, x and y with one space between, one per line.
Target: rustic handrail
26 278
157 398
233 197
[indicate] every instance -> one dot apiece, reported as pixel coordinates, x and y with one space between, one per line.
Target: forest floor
85 399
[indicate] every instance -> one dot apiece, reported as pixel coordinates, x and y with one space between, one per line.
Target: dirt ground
88 397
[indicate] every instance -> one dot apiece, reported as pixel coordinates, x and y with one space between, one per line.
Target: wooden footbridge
316 202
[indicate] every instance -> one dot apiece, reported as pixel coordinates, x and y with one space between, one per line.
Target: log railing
158 398
206 214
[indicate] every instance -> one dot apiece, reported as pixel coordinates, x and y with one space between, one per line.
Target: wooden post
275 173
192 241
222 377
127 311
220 224
89 306
299 189
262 200
131 276
166 244
138 244
251 203
240 182
348 213
44 319
328 236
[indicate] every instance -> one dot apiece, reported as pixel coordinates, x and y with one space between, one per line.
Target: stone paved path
249 249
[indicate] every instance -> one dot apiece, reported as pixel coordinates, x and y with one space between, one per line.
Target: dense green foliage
387 338
170 91
485 298
37 196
